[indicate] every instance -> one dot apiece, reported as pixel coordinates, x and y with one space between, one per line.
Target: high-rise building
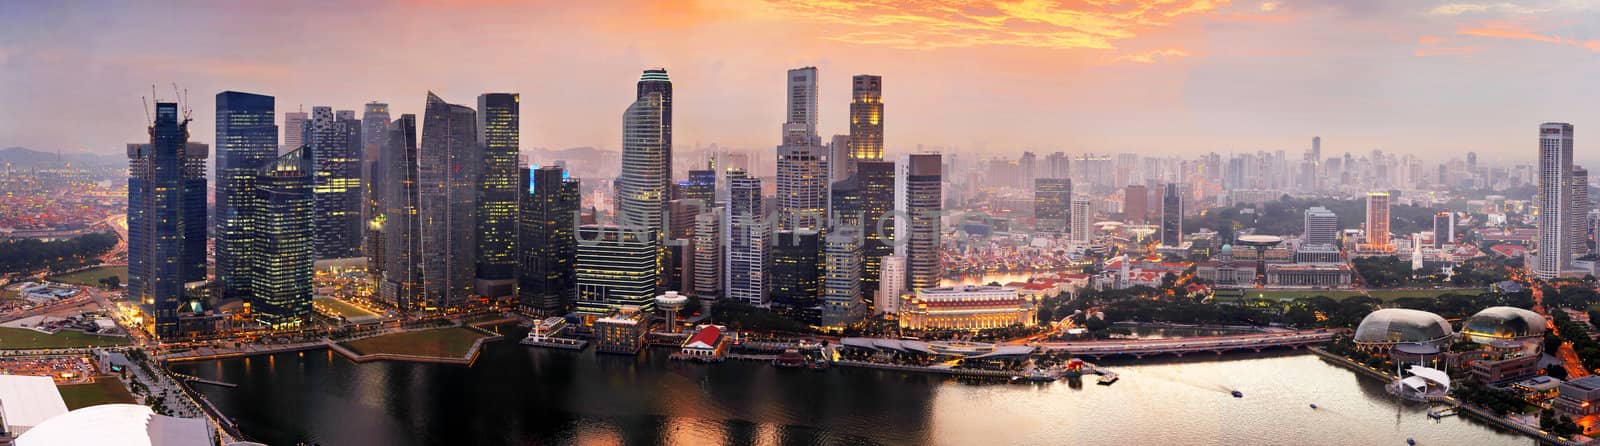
1136 204
335 148
801 126
449 165
1378 221
1579 212
294 129
374 139
1051 197
166 218
498 118
548 221
1082 214
802 187
1554 200
745 239
918 203
839 163
866 118
282 257
642 188
247 140
708 252
701 185
402 222
1321 226
655 80
893 280
1444 228
616 268
1171 216
841 279
865 200
796 275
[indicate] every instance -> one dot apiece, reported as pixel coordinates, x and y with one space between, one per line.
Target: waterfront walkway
1140 348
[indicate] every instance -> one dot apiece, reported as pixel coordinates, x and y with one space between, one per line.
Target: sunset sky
1148 76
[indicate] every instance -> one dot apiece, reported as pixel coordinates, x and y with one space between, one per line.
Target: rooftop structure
1390 326
118 425
1503 323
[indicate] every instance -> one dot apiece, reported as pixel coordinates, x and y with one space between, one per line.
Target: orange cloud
1161 55
1430 40
1514 31
1051 24
1446 51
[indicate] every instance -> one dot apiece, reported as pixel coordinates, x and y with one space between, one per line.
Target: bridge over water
1140 348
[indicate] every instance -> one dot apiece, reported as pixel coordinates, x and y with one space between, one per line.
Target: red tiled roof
708 336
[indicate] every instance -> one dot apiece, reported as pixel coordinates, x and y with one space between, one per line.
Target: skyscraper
918 203
448 167
802 187
498 117
801 126
1136 203
282 257
1579 213
841 280
866 118
745 240
294 129
374 138
865 201
839 165
166 218
655 80
1378 221
642 187
547 278
616 267
796 275
1444 228
708 251
1082 220
1051 198
1321 226
402 224
1554 199
247 140
701 185
335 150
893 280
1171 216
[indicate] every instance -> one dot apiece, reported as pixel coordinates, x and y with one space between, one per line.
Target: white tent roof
29 400
117 425
1430 374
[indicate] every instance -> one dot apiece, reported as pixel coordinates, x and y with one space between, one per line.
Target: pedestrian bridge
1211 344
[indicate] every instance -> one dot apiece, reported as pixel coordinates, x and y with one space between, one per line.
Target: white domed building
1388 327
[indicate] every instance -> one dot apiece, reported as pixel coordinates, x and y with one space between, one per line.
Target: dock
556 343
196 379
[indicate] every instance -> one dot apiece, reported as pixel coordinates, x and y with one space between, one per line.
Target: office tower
745 237
1316 160
802 187
345 115
801 126
701 185
1378 221
1554 199
893 279
642 187
497 193
283 257
402 223
1082 220
655 80
166 218
448 166
1051 196
1171 216
247 140
374 139
918 203
708 253
1579 212
1057 165
1444 228
839 163
1136 204
866 118
335 150
1321 226
866 200
678 271
796 275
548 247
294 129
616 267
841 279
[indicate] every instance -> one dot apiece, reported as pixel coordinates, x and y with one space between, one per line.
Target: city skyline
1409 80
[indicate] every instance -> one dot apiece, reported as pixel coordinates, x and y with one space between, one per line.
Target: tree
1556 371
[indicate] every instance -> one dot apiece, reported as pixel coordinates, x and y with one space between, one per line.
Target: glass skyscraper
497 193
336 150
402 226
247 140
448 170
282 258
546 281
166 218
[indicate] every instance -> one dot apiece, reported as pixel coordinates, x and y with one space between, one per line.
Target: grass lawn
1383 295
105 390
450 342
92 276
22 338
343 308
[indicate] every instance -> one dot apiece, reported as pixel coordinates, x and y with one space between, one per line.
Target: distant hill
24 157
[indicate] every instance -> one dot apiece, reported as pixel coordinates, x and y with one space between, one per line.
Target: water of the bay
517 395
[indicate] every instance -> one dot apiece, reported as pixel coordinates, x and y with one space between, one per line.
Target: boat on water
1237 394
1411 441
1313 407
1106 380
790 358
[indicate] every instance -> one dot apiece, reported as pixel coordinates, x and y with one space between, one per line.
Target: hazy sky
1153 76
